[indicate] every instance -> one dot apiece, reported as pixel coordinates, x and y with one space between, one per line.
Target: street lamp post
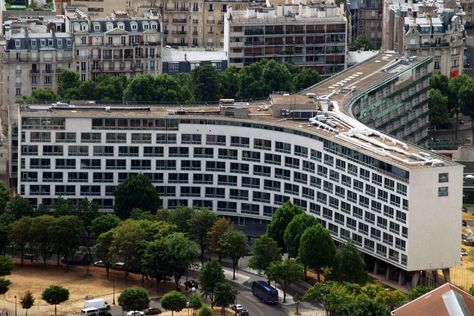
113 293
15 307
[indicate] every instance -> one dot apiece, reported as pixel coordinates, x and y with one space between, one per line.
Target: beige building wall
100 8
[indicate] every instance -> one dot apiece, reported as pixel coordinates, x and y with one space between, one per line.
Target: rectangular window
200 152
199 178
215 166
262 144
251 155
166 164
228 153
250 182
166 138
216 140
301 151
191 139
63 137
191 165
141 138
443 191
153 151
103 151
116 138
237 141
273 159
443 177
178 152
283 147
90 137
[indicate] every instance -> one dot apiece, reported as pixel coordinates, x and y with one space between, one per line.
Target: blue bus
265 292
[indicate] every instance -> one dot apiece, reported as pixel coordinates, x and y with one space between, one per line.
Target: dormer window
134 26
17 43
43 43
33 43
76 27
50 42
96 27
154 25
84 27
69 42
60 43
121 26
145 26
110 26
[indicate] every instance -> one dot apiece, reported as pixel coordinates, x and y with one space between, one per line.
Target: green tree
19 207
180 252
27 301
286 272
194 302
276 77
41 95
186 83
141 89
42 240
417 292
317 249
6 219
306 78
294 230
361 43
104 223
471 290
280 220
221 226
101 249
6 266
249 81
229 82
4 196
392 299
19 234
136 192
199 224
233 244
439 112
455 84
168 89
110 88
206 83
180 217
4 284
67 233
350 267
224 295
87 90
67 80
205 311
211 275
466 101
55 295
440 82
155 263
134 298
264 252
333 297
363 306
173 301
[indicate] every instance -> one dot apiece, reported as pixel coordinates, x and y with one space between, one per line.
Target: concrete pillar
387 273
435 277
401 277
415 278
447 276
376 266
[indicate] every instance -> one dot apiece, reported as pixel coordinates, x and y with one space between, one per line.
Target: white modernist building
400 204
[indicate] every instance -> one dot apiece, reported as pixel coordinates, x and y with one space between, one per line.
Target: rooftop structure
312 36
184 60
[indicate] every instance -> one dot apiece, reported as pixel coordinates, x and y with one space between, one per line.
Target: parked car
464 209
99 263
464 223
463 252
152 311
135 313
98 303
191 284
118 266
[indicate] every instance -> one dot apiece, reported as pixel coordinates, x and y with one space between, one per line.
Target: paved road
254 306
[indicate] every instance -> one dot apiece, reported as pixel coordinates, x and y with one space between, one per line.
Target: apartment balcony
34 71
180 21
176 9
210 22
195 33
179 32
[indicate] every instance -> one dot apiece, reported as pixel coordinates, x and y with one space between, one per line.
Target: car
191 284
135 313
243 312
463 252
236 307
99 263
118 266
464 209
464 223
152 311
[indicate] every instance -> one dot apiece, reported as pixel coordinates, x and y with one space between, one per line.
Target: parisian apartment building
245 160
308 35
426 28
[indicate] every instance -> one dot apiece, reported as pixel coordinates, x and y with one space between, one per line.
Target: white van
98 303
90 311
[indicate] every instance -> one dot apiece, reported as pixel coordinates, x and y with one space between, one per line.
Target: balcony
180 21
210 22
178 32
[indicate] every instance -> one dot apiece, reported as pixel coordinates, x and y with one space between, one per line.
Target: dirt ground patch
36 277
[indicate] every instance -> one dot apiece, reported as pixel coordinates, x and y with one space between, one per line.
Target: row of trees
450 97
203 84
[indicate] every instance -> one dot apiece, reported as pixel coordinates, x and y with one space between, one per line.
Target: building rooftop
446 300
177 55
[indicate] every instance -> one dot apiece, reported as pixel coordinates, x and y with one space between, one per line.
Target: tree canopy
264 252
233 244
199 225
287 272
136 192
55 295
361 43
349 267
134 298
211 275
280 220
174 301
294 230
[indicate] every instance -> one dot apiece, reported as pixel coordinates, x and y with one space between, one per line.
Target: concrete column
401 277
387 273
435 277
376 266
447 276
415 278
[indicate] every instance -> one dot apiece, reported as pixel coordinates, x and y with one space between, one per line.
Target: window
191 139
153 151
90 137
116 138
227 153
259 170
199 178
239 141
43 137
272 185
191 165
316 155
443 191
103 151
63 137
200 152
273 159
215 166
140 164
283 147
250 182
178 178
226 180
443 177
262 144
166 164
65 163
178 152
239 168
292 162
166 138
141 138
115 164
301 151
128 151
78 150
251 155
216 140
